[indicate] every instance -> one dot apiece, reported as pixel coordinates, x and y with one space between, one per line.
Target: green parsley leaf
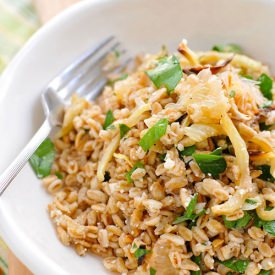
232 93
42 159
187 151
152 271
248 76
129 174
189 214
240 223
236 265
59 175
232 48
162 157
191 206
264 272
123 129
122 77
269 227
140 253
197 260
167 73
154 134
266 175
266 84
268 208
229 273
109 119
256 220
217 151
107 176
267 104
212 163
250 201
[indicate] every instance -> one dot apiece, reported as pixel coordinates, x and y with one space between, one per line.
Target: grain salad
172 169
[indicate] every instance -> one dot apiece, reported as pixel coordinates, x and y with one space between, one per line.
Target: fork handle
15 167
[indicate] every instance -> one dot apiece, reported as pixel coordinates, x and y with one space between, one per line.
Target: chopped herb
232 48
189 214
268 226
122 77
129 174
108 120
266 84
212 163
250 201
217 151
240 223
191 206
152 271
264 127
42 159
107 176
140 253
162 157
248 76
264 272
167 73
266 175
154 134
232 93
256 220
268 208
267 104
229 273
123 129
188 151
117 53
236 265
59 175
197 260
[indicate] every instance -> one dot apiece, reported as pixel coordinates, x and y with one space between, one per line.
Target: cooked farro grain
182 180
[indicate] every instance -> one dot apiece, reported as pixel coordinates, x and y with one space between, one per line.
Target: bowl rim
27 252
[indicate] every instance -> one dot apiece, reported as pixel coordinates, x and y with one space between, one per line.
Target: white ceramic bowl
142 25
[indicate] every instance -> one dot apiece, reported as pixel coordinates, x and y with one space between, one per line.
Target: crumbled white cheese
180 147
242 191
113 187
169 164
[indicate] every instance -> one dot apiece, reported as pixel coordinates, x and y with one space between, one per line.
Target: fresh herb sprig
123 130
189 214
42 159
266 84
109 119
129 174
240 223
231 48
236 264
167 73
154 134
213 163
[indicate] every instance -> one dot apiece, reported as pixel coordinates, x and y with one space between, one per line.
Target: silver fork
83 76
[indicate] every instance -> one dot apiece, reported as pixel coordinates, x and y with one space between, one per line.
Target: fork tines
88 74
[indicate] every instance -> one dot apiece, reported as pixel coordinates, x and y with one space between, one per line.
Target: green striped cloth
18 21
